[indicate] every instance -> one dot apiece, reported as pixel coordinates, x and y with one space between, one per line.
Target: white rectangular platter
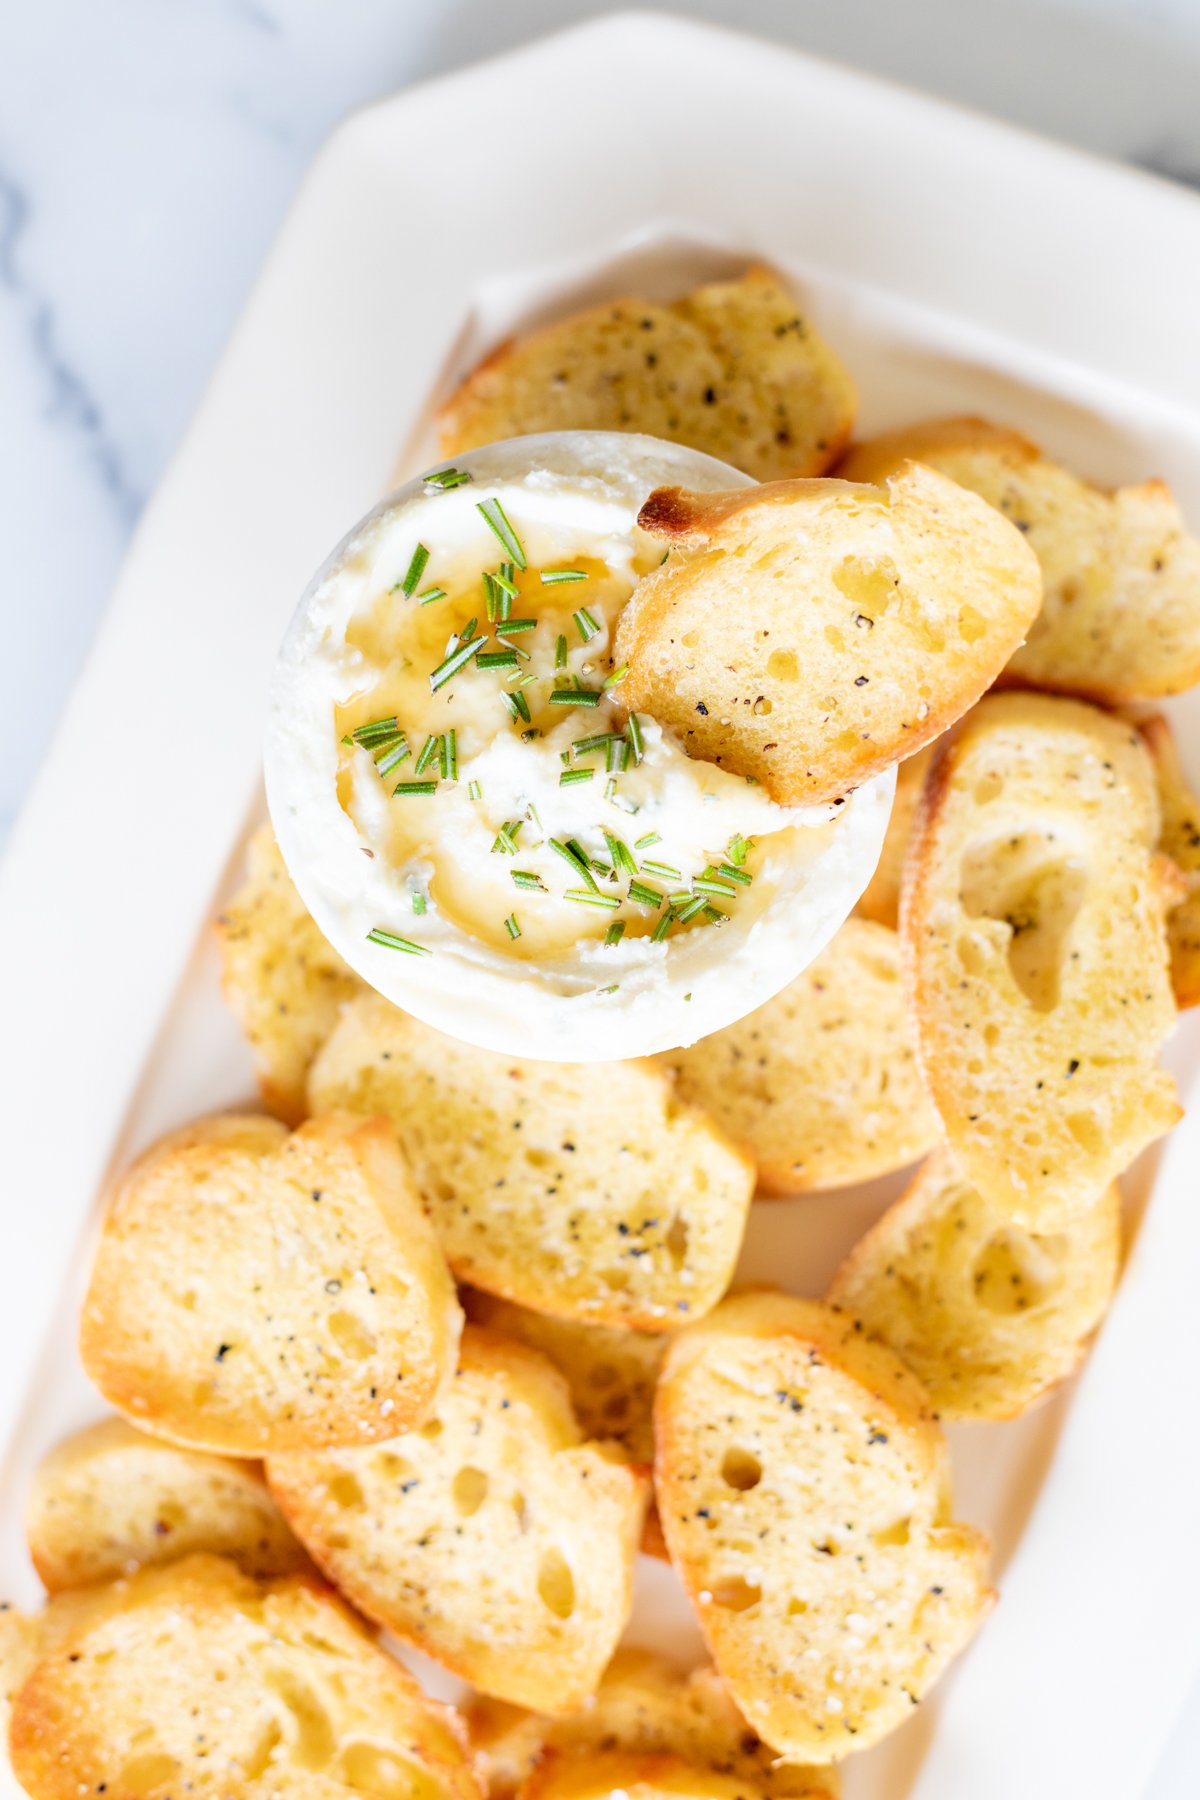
956 265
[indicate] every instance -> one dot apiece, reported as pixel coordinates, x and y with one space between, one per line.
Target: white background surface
149 147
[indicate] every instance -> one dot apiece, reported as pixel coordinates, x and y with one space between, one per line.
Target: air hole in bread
556 1584
537 1159
1029 883
395 1468
470 1490
796 1608
1086 1131
344 1491
740 1469
188 1301
871 584
351 1336
783 665
604 1376
142 1774
1008 1273
736 1594
988 788
258 1761
312 1740
431 1429
384 1774
971 624
897 1534
521 1507
677 1240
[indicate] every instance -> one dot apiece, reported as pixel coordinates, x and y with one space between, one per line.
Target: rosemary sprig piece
389 940
497 518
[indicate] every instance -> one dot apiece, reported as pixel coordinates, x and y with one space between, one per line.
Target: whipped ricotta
467 810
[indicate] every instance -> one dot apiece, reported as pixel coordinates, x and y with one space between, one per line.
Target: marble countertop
148 152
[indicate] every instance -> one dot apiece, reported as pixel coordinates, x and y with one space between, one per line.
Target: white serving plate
956 264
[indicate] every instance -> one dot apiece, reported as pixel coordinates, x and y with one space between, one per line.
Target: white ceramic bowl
588 1002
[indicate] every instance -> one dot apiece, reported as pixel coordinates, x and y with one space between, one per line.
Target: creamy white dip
460 838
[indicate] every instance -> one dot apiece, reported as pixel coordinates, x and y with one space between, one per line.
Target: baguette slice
494 1538
989 1316
610 1370
110 1500
583 1191
195 1680
1121 616
644 1706
731 369
284 981
1036 954
627 1775
1179 838
821 1085
803 1485
254 1291
880 899
811 634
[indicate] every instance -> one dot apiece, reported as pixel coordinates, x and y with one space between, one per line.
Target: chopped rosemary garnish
468 631
738 846
575 697
474 791
617 676
570 777
393 755
709 884
504 581
418 904
714 916
390 941
663 870
585 745
731 874
430 595
661 929
526 878
448 478
620 853
644 895
617 759
428 751
574 857
554 577
644 842
511 926
589 897
507 627
560 653
416 569
497 518
506 838
449 756
407 789
605 870
614 934
497 659
517 704
633 732
695 904
585 625
491 597
527 737
372 733
564 757
458 659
